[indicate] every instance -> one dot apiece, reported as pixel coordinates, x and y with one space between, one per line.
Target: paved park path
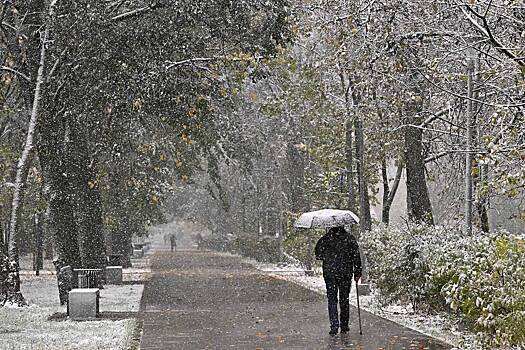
206 300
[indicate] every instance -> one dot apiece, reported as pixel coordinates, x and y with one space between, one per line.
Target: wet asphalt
206 300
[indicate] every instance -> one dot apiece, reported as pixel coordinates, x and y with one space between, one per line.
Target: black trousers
337 285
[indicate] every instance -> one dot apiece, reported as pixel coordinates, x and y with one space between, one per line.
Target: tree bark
365 223
349 150
349 160
353 99
385 214
121 244
419 207
482 203
87 198
389 193
120 236
468 152
13 294
60 222
296 170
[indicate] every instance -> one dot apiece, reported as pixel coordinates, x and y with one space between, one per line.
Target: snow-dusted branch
7 25
423 35
484 28
14 71
465 97
136 12
8 185
57 62
437 156
435 116
189 60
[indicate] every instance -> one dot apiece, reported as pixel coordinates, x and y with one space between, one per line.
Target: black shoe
333 331
345 330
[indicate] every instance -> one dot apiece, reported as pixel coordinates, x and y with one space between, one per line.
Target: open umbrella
326 218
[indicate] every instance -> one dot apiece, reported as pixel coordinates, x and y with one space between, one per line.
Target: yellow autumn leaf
192 112
137 104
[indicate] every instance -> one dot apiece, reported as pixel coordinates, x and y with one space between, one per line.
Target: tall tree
13 294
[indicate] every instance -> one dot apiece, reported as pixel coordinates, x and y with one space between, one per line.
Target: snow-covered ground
437 326
31 328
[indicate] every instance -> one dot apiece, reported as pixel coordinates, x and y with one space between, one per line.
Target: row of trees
114 105
372 95
125 100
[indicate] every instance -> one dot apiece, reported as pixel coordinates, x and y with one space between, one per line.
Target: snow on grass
438 326
29 328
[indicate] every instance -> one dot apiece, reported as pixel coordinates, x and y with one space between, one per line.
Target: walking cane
358 308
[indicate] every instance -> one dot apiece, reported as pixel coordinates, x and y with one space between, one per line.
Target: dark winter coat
339 252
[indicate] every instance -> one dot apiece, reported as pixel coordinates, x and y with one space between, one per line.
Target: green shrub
400 262
481 278
488 289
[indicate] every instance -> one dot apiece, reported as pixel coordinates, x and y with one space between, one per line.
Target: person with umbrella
339 252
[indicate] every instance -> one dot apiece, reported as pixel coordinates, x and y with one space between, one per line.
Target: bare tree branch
437 156
190 60
14 71
136 12
486 31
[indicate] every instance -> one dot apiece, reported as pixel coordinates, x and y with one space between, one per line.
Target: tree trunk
87 199
353 99
385 214
296 171
468 151
389 193
482 203
349 164
365 223
120 239
349 150
13 294
60 222
419 207
38 251
121 244
2 242
48 245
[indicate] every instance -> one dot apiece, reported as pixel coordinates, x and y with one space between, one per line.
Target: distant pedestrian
339 252
199 241
173 241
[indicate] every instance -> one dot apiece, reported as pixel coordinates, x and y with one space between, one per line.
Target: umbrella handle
358 308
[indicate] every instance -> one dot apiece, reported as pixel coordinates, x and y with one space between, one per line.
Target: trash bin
88 278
